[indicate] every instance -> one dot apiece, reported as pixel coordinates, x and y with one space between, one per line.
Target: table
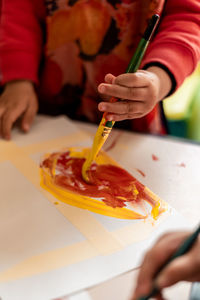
171 169
120 288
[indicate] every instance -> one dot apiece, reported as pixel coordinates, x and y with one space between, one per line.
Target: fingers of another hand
184 268
155 258
180 269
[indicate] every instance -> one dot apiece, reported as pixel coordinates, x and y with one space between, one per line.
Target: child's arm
20 52
176 45
171 56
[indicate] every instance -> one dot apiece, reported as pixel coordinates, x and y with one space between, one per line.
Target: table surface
174 177
120 288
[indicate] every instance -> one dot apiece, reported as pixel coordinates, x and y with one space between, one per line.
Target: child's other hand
138 91
17 100
183 268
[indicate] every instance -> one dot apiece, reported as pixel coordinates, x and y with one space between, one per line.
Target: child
56 54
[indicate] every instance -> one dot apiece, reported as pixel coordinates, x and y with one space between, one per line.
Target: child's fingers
28 116
151 263
138 79
119 117
127 108
8 119
109 78
155 258
105 98
184 268
6 125
2 109
180 269
123 92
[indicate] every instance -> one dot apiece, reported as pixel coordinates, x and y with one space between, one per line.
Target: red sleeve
176 45
20 40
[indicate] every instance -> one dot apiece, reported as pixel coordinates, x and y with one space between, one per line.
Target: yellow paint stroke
101 239
59 142
75 253
49 260
85 202
95 205
159 207
98 142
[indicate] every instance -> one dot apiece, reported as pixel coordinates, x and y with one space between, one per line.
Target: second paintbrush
105 126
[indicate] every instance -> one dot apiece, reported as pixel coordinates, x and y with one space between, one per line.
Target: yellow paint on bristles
99 139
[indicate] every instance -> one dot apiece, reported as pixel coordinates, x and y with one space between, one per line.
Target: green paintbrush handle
139 52
137 57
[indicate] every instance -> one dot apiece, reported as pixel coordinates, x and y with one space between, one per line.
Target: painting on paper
112 191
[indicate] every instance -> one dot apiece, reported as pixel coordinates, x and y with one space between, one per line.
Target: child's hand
183 268
138 91
17 100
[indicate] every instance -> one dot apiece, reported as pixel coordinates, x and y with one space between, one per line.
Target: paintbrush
184 248
105 126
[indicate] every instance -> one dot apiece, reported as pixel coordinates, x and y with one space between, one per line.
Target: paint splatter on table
154 157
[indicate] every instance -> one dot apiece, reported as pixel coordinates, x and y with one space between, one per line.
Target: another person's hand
139 93
183 268
18 100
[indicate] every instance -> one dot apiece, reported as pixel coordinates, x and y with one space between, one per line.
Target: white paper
80 296
31 226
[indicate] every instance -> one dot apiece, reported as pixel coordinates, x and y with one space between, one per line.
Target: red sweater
176 45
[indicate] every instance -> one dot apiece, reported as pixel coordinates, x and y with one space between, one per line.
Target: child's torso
85 40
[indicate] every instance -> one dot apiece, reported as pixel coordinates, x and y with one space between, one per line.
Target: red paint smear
108 182
154 157
183 165
141 172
